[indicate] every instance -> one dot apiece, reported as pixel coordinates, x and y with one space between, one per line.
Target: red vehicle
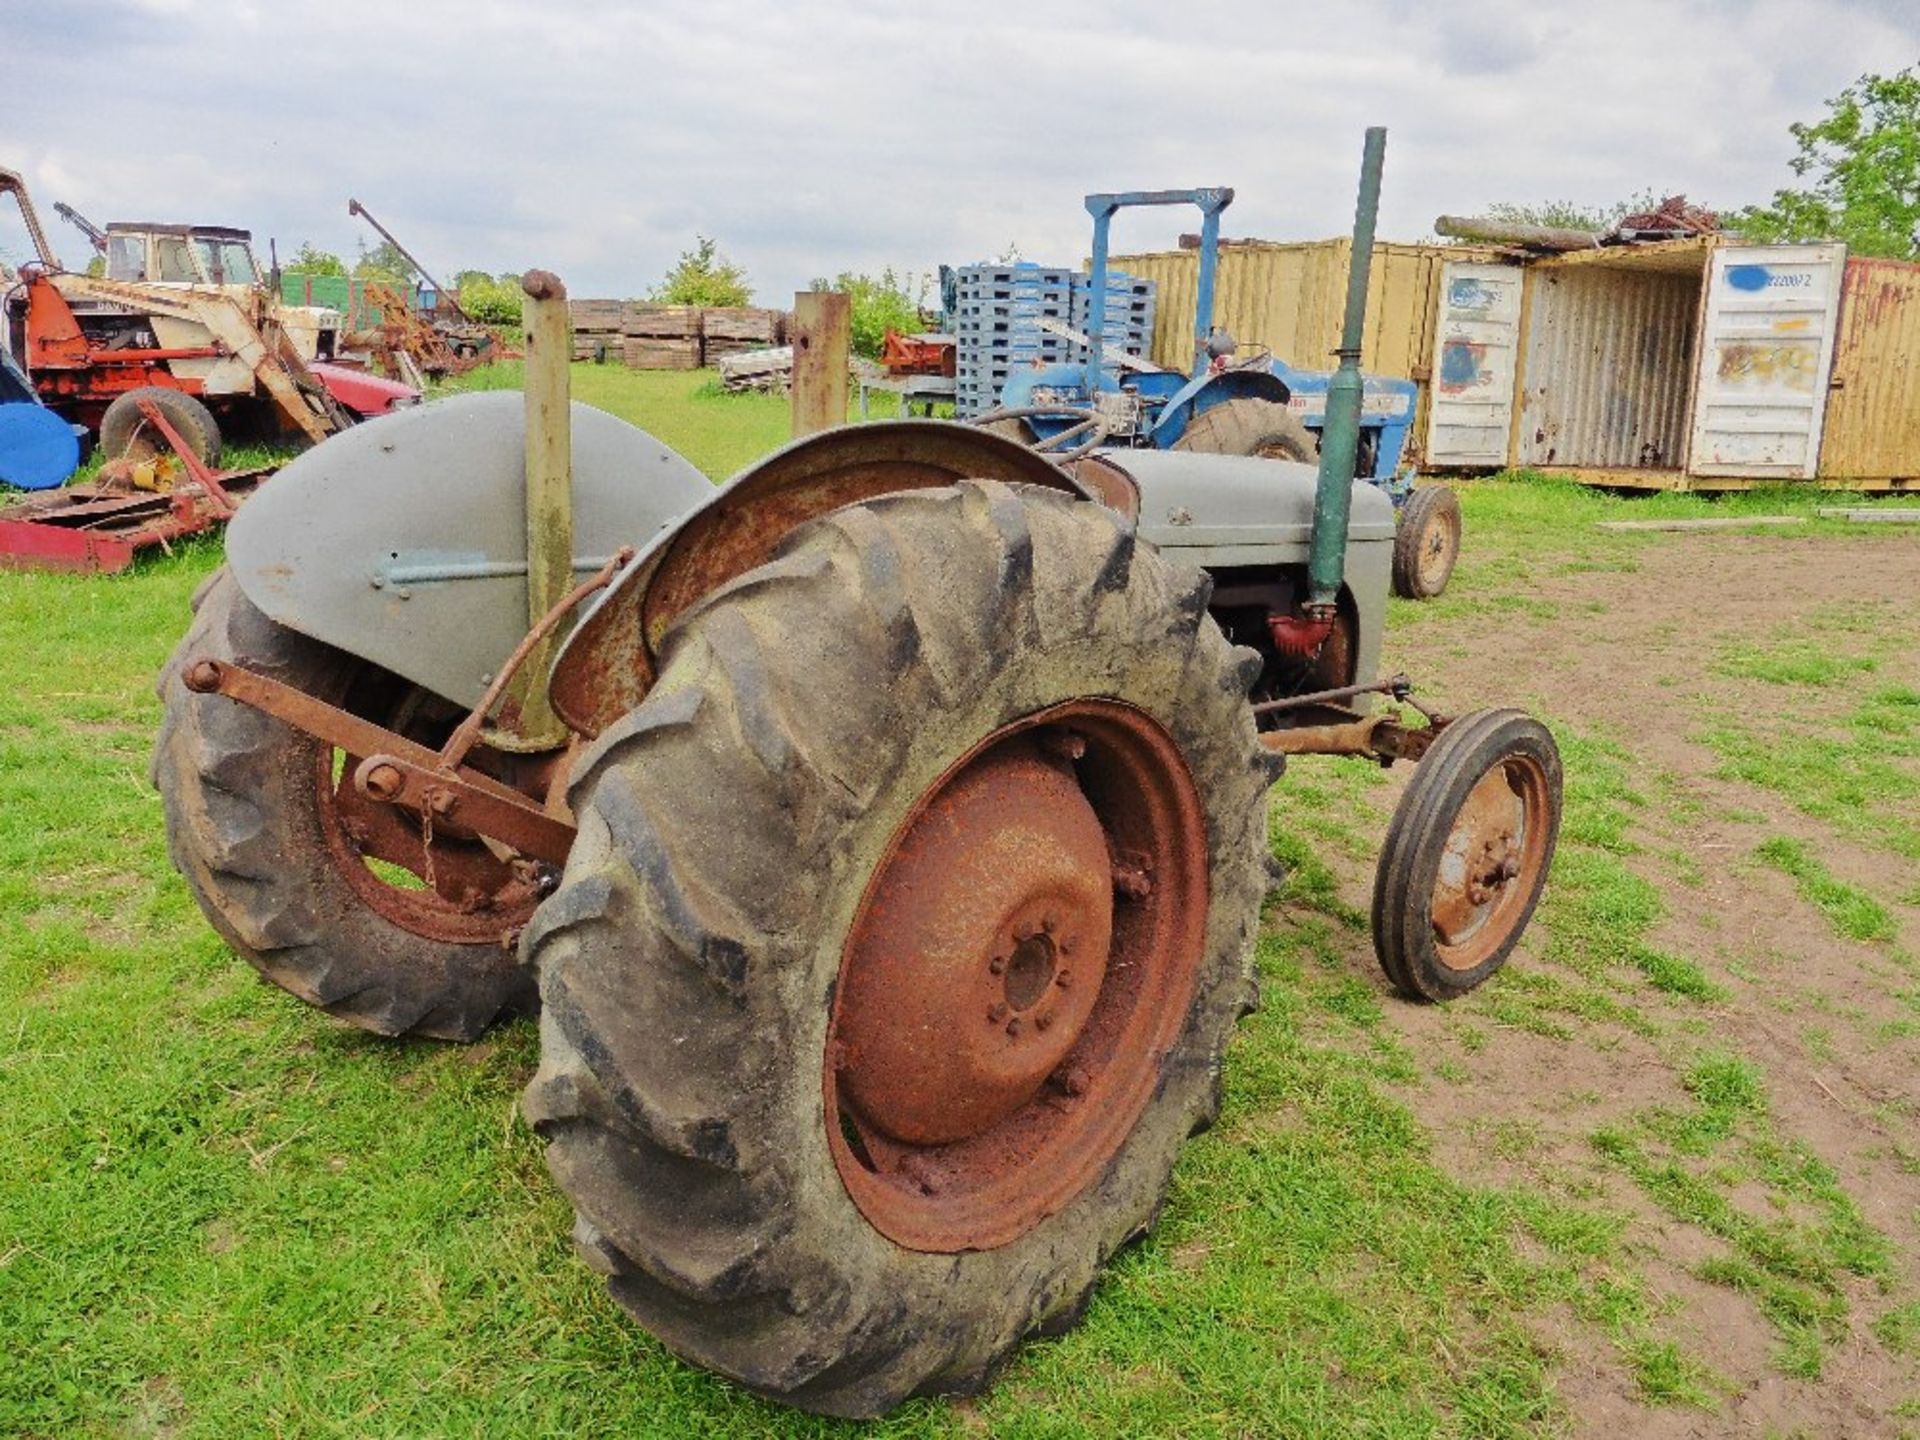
180 319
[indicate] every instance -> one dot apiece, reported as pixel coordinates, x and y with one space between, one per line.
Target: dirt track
1630 658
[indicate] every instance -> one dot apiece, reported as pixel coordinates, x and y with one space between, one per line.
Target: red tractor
181 320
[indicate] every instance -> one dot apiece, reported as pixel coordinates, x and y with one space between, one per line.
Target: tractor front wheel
1426 543
1467 854
908 920
1250 426
353 906
127 433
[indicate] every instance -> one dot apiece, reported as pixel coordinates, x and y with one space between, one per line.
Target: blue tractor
1225 404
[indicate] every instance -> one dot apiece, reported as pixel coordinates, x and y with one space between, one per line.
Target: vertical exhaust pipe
1340 437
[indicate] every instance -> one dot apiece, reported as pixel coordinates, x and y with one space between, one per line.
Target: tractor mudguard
1207 391
606 666
403 541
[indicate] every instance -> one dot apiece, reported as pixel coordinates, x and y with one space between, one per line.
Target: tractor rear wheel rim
1491 863
1021 961
460 890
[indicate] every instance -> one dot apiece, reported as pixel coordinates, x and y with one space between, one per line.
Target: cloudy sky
596 137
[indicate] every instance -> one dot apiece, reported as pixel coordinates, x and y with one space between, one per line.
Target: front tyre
1426 543
1467 854
908 920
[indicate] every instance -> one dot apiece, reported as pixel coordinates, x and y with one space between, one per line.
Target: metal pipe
1101 207
1340 437
1399 687
1203 289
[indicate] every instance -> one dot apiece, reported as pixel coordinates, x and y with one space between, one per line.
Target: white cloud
596 137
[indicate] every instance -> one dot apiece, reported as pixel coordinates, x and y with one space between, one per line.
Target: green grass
720 433
1851 912
1793 1261
225 1215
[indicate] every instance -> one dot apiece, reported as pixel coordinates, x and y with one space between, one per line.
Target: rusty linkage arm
399 771
1379 737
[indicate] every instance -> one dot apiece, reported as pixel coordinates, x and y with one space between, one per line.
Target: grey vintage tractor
883 845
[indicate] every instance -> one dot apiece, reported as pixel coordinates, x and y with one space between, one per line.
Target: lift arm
354 207
86 227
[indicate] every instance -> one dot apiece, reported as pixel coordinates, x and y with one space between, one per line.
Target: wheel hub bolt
997 965
997 1011
1013 1026
382 782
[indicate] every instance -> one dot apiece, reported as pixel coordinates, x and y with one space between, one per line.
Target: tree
704 276
1863 162
384 262
490 299
879 303
308 260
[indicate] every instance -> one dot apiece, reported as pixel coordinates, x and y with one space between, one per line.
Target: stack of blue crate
997 314
997 310
1129 311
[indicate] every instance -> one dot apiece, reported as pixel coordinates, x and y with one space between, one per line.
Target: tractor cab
181 255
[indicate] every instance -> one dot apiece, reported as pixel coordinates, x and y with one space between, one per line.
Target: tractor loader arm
12 184
266 353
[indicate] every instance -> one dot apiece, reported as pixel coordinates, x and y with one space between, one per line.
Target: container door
1475 343
1766 351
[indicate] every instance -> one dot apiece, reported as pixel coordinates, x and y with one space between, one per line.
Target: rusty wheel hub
981 951
1023 957
431 878
1436 551
1490 863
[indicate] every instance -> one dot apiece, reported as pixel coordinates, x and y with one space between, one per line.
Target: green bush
490 299
705 277
880 303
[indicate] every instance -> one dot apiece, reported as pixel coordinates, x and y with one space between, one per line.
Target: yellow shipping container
1289 298
1873 406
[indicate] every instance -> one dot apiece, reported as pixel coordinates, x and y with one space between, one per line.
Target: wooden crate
746 324
603 346
660 322
595 314
648 353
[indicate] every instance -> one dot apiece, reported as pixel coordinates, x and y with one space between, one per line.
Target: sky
596 138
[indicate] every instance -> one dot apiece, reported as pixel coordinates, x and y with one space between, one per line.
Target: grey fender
403 540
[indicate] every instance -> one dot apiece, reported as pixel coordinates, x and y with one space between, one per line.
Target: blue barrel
38 450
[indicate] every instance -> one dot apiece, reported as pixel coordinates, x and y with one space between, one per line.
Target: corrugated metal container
1608 357
1289 298
1873 413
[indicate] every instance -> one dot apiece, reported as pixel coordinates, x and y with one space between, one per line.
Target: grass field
1661 1177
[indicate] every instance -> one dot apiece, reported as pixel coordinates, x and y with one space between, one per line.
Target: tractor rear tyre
1467 854
125 433
1250 426
1426 543
908 919
270 841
